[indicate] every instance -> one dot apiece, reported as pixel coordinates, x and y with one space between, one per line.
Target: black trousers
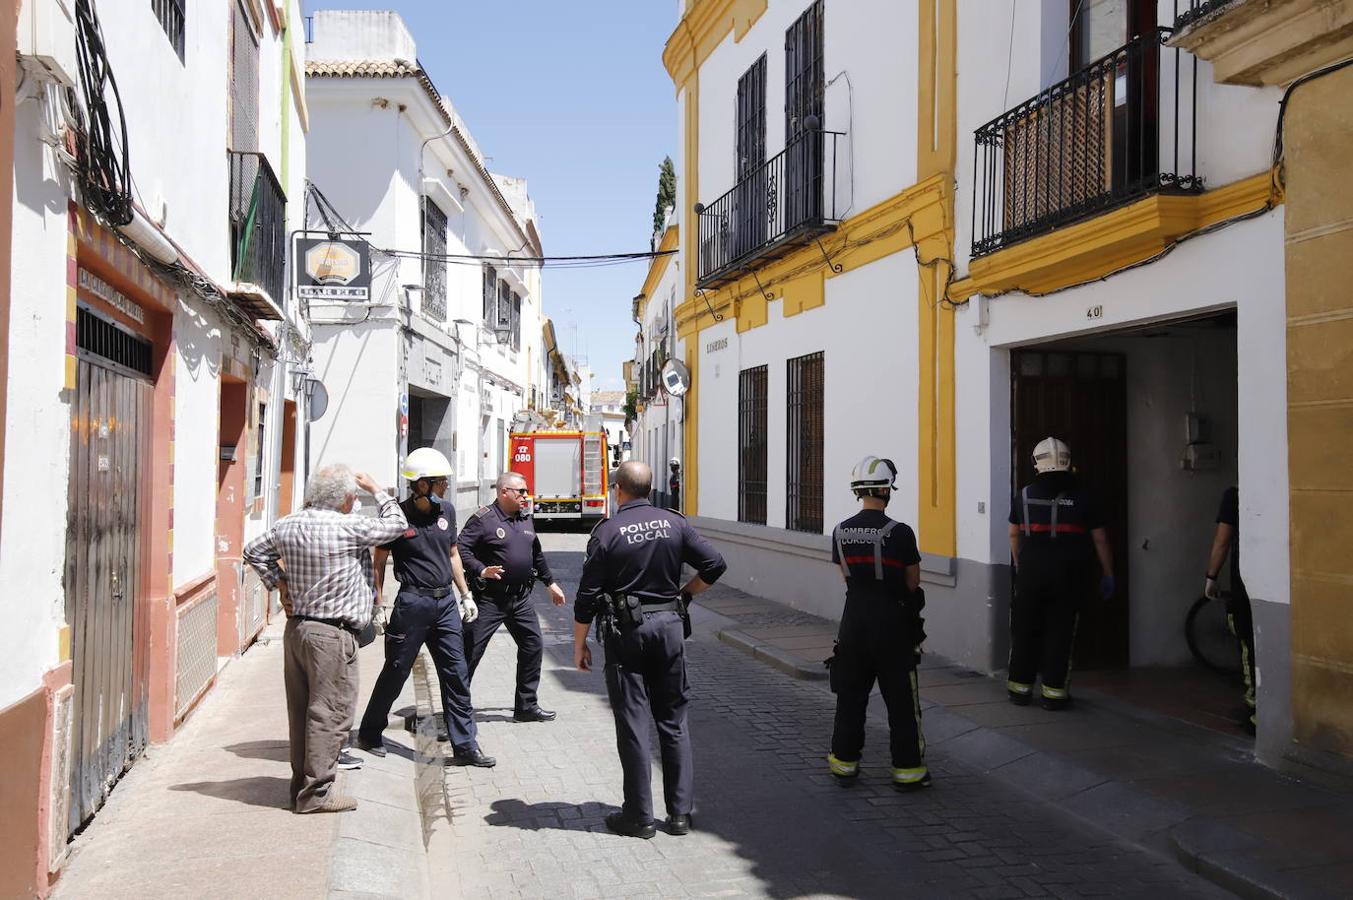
1043 616
877 642
1241 622
520 618
646 674
419 620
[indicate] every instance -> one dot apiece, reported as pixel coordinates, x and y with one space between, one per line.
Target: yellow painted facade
919 219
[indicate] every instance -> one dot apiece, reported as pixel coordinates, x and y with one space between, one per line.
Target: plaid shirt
328 559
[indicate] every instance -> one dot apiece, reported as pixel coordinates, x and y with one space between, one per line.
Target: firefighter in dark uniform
674 484
428 568
502 553
880 635
630 586
1226 542
1053 522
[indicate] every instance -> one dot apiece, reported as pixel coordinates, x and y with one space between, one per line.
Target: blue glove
1106 587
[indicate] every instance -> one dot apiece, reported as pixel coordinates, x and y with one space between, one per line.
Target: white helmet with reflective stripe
425 462
872 474
1051 455
674 461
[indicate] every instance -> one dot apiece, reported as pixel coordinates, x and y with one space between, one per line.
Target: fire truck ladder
594 458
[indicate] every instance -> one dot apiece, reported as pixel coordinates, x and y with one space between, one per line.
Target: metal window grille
752 408
803 72
490 294
258 223
434 262
243 83
516 321
172 16
109 343
751 201
502 323
804 444
258 451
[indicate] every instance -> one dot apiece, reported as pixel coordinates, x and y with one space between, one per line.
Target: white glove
468 610
1211 590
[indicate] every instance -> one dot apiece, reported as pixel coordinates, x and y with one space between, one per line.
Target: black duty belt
434 593
334 623
510 592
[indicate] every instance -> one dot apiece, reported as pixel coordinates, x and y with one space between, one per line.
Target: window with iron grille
803 443
502 323
516 321
490 294
751 119
112 345
172 18
258 450
752 445
434 261
243 82
803 71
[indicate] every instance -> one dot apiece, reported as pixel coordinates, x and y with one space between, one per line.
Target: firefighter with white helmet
674 483
881 630
1053 523
427 611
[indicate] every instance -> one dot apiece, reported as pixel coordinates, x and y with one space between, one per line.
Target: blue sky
573 97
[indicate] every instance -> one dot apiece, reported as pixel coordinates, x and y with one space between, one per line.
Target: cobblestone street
769 819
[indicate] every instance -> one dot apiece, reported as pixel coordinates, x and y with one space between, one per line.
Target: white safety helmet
1051 455
873 474
674 462
425 462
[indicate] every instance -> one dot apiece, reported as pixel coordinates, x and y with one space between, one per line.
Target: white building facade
449 349
153 415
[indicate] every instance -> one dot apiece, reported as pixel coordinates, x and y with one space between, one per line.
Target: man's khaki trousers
321 680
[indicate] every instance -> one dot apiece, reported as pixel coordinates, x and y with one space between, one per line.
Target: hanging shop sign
333 270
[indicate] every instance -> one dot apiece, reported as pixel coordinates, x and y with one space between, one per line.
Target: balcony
1121 129
783 203
258 236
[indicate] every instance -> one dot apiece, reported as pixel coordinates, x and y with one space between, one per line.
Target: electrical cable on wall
105 169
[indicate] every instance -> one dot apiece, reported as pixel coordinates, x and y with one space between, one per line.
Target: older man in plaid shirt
320 558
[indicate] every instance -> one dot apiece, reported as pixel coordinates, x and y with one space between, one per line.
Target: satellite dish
676 378
318 399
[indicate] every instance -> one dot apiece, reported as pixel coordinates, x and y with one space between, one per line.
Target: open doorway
1151 416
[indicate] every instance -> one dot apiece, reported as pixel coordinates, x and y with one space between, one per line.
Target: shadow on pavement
277 751
549 815
259 790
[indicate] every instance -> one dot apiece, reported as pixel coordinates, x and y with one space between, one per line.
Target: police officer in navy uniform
634 564
502 552
880 635
1053 522
1226 542
427 564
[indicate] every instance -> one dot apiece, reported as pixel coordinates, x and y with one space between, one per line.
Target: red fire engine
565 471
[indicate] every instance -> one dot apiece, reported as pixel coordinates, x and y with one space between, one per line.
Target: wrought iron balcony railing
258 217
1120 129
1199 10
782 203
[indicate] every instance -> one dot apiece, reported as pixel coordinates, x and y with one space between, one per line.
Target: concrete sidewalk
206 815
1163 784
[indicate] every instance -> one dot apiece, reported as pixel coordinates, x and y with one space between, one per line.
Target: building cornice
1270 42
703 27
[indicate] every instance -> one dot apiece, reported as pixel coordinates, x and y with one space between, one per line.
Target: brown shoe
333 802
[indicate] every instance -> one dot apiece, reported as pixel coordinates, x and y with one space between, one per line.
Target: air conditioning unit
46 40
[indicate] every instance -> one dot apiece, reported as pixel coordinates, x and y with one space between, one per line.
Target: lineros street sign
333 270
